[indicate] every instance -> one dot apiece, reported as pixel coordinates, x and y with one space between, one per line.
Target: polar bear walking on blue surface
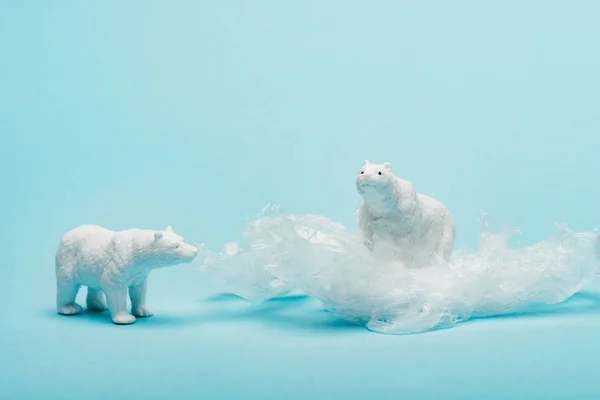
112 263
397 223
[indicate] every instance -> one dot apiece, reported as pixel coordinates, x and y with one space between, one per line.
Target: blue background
197 114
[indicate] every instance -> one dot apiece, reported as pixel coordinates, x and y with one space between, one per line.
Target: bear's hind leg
446 245
66 292
95 300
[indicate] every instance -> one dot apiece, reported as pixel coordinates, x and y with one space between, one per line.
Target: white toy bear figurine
397 223
113 262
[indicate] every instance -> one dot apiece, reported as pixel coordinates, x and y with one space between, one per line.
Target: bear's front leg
137 294
116 297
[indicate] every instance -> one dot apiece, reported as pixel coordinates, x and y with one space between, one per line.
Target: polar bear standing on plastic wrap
398 224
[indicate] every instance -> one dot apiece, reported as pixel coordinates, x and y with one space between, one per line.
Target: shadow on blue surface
582 303
298 312
223 297
301 312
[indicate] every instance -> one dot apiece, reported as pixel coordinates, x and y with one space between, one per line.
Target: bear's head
375 180
168 248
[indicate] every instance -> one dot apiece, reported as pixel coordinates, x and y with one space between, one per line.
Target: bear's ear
366 162
169 229
387 165
158 235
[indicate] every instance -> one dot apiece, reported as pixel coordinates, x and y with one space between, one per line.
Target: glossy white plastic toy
397 223
112 263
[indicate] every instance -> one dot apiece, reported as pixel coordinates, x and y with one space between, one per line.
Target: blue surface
197 114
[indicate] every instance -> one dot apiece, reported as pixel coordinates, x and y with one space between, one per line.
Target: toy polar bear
113 262
396 223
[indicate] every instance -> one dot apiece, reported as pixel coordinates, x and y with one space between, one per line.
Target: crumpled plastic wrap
279 253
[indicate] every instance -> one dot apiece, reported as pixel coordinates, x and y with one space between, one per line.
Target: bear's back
434 210
83 242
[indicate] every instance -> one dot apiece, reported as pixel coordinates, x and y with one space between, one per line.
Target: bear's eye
362 172
379 172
